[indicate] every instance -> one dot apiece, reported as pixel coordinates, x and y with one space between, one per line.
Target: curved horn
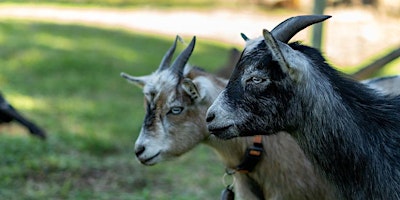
165 62
245 38
290 27
182 59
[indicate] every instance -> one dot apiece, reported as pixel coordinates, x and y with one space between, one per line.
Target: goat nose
139 150
210 117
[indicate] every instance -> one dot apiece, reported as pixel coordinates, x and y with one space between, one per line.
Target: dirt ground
351 35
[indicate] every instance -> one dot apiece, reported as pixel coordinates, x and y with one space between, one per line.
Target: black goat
349 131
8 114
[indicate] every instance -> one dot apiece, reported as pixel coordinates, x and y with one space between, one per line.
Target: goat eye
257 80
176 110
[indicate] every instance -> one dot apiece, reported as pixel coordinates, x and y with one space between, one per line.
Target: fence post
319 6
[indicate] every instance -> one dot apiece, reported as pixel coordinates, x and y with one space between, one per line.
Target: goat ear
191 89
275 48
139 81
245 38
276 52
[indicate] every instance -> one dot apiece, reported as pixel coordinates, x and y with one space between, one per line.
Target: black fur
351 132
8 114
363 156
150 116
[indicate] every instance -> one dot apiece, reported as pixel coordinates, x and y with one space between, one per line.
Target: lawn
66 78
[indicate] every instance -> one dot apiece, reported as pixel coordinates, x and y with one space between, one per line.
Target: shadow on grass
66 78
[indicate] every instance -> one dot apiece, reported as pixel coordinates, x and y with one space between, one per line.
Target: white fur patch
206 88
162 81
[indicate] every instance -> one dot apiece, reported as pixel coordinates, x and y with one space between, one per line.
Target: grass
66 78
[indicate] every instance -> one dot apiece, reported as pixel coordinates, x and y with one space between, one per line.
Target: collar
252 156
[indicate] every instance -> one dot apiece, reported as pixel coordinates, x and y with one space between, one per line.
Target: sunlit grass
66 79
58 42
392 68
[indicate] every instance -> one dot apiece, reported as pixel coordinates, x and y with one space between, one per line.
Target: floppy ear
139 81
191 89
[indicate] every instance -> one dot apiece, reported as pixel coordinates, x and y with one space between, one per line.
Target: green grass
66 78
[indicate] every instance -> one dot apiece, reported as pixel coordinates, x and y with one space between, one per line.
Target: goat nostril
210 117
139 150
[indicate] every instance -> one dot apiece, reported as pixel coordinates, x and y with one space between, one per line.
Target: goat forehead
250 64
163 82
165 79
251 69
252 45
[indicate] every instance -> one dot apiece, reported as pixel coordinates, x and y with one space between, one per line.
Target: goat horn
182 59
165 62
245 38
288 28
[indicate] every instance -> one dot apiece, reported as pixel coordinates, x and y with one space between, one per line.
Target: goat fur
349 131
283 172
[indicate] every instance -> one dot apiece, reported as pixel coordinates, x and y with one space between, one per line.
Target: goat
388 84
8 114
349 131
176 100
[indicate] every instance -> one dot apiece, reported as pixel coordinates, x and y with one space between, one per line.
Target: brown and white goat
177 99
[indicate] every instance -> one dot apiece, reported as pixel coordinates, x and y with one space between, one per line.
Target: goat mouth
148 161
220 131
